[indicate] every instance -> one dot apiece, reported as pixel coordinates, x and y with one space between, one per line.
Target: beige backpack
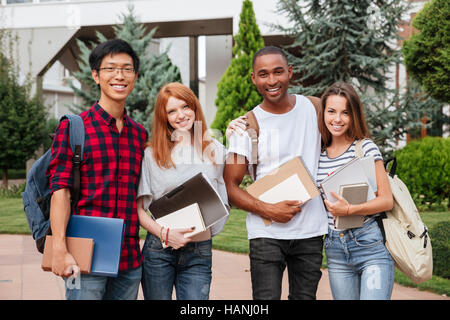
405 234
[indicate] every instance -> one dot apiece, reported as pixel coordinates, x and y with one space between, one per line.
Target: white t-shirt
281 138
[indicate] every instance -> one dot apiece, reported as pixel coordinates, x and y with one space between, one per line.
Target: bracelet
161 234
348 209
167 235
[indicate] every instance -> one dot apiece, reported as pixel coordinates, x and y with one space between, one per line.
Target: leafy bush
424 166
14 191
426 51
440 240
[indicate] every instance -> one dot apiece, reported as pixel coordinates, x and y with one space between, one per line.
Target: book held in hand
355 194
187 217
291 181
196 191
357 170
107 234
80 248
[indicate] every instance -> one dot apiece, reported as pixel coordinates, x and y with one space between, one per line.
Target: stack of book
355 182
94 242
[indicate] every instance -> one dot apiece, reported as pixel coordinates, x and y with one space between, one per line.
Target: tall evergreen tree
343 40
236 93
355 42
155 70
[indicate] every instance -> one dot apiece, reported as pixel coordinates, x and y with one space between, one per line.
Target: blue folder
107 234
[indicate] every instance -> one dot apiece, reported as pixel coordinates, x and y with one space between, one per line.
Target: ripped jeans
359 265
188 269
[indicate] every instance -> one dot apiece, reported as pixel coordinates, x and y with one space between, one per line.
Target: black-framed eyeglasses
127 71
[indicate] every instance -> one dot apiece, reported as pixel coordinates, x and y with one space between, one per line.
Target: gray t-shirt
156 181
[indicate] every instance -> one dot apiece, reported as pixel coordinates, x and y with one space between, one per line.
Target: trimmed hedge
440 239
424 166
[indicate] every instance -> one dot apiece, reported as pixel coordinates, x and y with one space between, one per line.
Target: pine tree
236 93
355 42
155 70
343 41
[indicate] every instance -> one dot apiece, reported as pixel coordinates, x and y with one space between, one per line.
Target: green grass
12 216
233 238
234 235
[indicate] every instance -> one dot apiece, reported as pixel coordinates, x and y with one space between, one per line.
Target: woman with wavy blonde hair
180 147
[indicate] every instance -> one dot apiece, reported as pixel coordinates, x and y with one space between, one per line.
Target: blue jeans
88 287
359 265
268 259
188 269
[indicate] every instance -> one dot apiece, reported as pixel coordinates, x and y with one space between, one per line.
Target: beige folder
80 248
291 181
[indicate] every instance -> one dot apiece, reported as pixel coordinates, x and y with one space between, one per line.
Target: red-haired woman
179 148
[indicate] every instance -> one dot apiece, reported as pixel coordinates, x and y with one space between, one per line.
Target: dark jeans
269 258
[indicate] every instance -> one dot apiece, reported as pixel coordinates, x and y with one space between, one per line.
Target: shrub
14 191
424 166
440 241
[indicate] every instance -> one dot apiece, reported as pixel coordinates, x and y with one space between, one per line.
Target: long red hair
161 140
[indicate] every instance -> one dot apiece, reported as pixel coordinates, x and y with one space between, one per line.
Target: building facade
198 32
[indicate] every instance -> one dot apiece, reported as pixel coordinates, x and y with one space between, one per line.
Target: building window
18 1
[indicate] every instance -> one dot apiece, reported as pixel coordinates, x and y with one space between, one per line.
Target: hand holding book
283 211
338 208
350 194
178 237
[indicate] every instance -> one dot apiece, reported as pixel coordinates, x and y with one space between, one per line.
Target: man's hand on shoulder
238 125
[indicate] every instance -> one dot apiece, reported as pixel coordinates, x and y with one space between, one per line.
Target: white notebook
289 189
186 217
355 171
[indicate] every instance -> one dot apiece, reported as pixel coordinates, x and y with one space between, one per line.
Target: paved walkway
21 277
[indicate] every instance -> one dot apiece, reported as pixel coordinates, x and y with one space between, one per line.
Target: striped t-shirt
329 165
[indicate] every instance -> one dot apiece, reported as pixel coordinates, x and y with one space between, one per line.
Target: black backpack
36 197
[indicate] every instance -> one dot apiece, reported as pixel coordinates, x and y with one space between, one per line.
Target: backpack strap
358 148
394 166
253 132
77 135
316 103
76 131
379 220
382 215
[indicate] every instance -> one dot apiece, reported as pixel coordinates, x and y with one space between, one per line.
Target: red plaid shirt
109 173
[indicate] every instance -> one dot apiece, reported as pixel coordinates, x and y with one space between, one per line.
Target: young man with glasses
110 170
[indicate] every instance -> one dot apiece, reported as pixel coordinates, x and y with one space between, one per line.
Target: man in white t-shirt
288 128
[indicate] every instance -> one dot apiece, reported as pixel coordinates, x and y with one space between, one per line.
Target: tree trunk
5 178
